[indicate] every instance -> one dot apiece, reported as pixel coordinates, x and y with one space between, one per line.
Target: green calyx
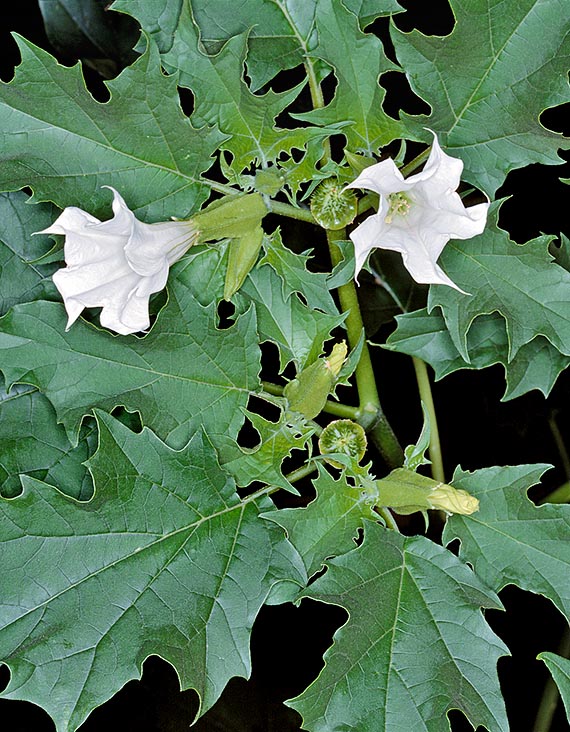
307 393
230 217
332 205
237 218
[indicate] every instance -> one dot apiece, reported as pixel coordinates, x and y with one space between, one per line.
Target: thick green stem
285 209
414 164
550 695
315 88
426 396
317 99
371 417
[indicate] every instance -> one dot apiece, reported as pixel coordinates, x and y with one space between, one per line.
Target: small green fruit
343 436
332 206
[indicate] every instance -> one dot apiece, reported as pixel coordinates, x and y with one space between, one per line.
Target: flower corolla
117 264
452 500
417 215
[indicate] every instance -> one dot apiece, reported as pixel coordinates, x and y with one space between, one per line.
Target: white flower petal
441 172
383 178
117 264
422 265
126 315
417 216
123 220
365 237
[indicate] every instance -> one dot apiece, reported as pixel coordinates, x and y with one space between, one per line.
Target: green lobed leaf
560 669
281 32
32 443
415 646
358 60
510 540
276 442
203 271
23 279
519 281
185 373
223 98
55 138
368 10
328 526
298 331
165 559
282 36
292 269
536 365
489 80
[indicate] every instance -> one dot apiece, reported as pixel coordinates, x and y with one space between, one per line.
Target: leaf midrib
459 115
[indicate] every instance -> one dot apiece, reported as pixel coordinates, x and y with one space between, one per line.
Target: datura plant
228 243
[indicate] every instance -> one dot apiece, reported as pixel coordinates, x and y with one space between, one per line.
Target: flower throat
398 205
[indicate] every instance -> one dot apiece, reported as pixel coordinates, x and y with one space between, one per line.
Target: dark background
477 430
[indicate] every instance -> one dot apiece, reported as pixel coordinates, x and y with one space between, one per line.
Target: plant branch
317 99
414 164
434 449
371 417
220 187
285 209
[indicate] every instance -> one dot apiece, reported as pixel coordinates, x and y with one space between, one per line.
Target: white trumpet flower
117 264
417 215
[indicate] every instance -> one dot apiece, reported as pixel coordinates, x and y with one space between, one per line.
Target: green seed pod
343 436
332 206
308 392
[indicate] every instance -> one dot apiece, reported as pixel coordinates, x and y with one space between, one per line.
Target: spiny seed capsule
332 206
345 437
